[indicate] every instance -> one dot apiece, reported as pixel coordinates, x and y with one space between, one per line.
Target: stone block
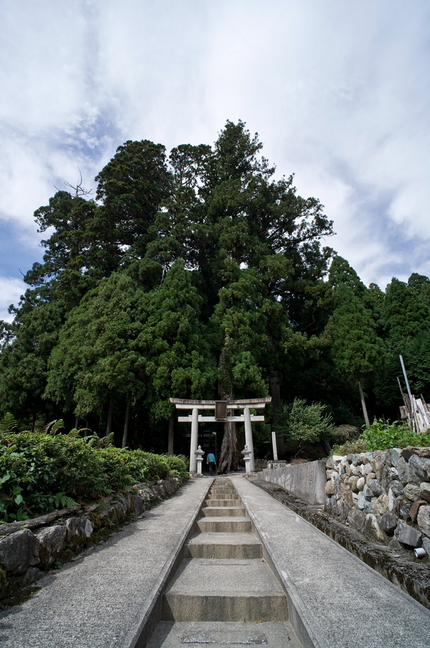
413 511
19 551
425 491
407 535
412 492
426 545
330 488
73 527
388 523
363 503
404 509
403 470
353 483
375 487
393 502
356 518
393 473
372 528
396 488
419 469
423 519
421 452
368 493
394 544
87 527
361 483
394 455
380 504
366 469
51 544
407 453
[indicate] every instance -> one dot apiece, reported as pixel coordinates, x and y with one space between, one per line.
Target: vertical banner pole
275 447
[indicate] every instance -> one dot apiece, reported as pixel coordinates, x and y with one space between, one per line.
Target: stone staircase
224 593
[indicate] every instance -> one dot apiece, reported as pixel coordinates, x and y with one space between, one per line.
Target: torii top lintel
232 404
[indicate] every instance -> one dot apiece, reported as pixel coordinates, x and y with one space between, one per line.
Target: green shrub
304 424
178 464
40 472
381 435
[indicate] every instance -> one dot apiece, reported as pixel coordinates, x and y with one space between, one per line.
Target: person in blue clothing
211 462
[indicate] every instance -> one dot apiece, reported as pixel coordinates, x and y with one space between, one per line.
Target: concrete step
219 635
225 545
224 590
224 524
223 502
223 494
223 511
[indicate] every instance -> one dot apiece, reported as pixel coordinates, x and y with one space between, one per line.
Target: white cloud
11 290
337 91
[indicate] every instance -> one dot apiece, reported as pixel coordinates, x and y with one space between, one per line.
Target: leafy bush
178 465
381 435
304 423
40 472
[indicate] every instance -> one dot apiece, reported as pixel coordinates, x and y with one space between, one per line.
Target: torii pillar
221 415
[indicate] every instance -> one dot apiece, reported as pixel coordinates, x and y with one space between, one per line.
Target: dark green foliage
381 435
41 472
302 424
200 275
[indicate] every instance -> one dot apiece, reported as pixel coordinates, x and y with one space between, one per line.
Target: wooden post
363 404
170 439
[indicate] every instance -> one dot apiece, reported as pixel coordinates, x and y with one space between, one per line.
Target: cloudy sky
338 91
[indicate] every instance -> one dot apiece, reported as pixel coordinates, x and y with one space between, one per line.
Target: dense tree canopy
200 274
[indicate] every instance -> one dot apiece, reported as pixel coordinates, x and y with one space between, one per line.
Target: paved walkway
103 599
339 601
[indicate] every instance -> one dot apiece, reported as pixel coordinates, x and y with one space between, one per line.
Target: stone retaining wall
383 494
30 547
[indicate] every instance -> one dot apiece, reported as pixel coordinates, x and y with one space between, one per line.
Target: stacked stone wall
383 494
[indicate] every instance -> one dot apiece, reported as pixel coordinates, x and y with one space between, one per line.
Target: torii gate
221 415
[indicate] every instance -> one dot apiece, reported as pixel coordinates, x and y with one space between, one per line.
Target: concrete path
335 600
103 599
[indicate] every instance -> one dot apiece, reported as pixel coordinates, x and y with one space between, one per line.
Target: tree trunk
171 436
229 459
275 392
76 422
363 404
109 418
126 420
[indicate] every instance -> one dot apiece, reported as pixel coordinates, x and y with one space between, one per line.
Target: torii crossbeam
222 409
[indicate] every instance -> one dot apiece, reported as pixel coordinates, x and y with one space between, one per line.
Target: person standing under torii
211 462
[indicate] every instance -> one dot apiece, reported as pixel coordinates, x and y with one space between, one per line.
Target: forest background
198 275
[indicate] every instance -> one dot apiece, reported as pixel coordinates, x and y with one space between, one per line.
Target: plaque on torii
223 411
